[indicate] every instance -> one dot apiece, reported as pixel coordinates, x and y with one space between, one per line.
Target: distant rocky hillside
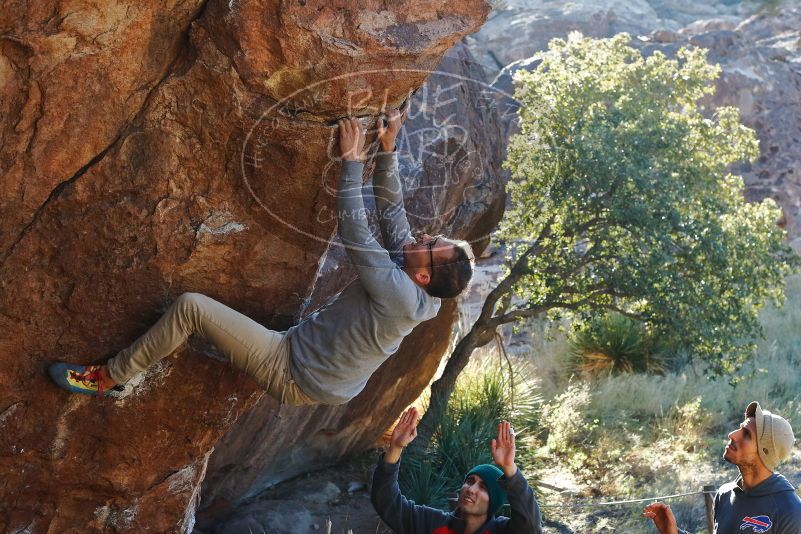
516 29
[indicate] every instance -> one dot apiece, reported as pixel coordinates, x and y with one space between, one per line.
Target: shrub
565 419
613 344
623 200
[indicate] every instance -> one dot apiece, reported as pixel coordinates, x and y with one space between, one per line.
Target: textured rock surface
154 148
449 154
74 75
519 28
273 516
295 509
760 59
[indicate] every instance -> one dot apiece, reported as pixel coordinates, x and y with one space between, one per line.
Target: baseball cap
774 435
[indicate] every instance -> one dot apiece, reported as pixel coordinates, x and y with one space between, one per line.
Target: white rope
616 503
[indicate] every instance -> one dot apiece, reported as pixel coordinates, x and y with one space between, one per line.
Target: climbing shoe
78 378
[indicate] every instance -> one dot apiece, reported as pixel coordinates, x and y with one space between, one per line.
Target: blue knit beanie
490 475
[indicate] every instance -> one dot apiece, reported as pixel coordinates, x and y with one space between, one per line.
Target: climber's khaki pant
260 352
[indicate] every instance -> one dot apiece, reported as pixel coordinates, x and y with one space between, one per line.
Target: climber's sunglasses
430 246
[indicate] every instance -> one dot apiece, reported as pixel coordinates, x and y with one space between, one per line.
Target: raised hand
387 134
503 449
404 433
663 517
351 139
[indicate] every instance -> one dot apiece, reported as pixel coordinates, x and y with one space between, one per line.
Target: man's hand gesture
404 433
503 449
351 139
388 133
663 517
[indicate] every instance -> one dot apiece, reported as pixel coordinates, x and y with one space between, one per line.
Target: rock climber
328 357
760 500
485 489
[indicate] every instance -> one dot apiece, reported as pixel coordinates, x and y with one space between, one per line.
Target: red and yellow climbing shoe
78 378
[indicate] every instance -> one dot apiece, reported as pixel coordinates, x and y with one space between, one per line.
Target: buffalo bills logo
758 524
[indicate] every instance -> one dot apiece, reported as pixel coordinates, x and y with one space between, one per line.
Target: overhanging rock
149 149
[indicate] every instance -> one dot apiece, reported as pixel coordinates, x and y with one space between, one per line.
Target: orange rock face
152 148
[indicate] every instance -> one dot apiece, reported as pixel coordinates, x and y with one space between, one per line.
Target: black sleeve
526 518
399 513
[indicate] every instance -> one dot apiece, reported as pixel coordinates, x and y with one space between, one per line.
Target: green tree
622 201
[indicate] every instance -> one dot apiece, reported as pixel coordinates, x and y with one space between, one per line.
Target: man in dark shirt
484 491
760 500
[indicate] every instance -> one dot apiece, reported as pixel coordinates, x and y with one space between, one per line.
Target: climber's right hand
351 139
388 133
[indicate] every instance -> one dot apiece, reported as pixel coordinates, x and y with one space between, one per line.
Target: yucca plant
613 344
424 482
461 443
482 398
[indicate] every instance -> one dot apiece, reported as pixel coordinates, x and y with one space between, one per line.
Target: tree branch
517 271
533 311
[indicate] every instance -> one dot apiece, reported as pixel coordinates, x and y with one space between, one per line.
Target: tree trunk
482 332
478 336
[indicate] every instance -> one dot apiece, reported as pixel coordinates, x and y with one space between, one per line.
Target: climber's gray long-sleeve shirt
336 349
772 507
405 517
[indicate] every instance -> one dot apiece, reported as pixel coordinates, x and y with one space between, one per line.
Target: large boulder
450 152
73 77
153 148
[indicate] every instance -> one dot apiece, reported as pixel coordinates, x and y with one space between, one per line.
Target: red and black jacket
405 517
